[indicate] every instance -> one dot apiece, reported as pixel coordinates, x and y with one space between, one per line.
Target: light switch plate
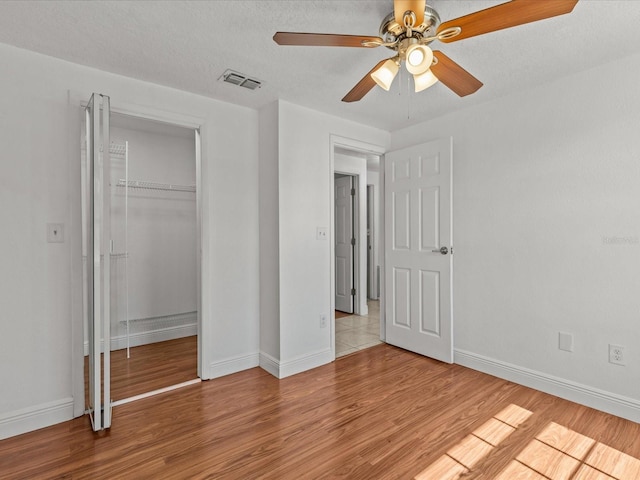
55 232
321 233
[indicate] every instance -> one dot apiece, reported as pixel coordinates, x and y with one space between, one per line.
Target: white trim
296 365
155 392
619 405
306 362
33 418
152 113
141 111
270 364
231 365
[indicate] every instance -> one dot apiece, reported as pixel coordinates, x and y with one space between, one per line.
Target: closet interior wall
153 221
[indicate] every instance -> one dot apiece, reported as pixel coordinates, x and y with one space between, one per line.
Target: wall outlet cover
616 355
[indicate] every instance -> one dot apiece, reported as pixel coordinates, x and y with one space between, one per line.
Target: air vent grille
240 79
251 84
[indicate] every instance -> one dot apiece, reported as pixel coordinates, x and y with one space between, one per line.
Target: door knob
443 250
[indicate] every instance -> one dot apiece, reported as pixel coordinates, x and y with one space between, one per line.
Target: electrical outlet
323 320
616 355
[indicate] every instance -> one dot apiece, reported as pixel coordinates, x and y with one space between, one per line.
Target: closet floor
151 367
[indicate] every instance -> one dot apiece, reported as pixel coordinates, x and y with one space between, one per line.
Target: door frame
204 318
360 214
372 223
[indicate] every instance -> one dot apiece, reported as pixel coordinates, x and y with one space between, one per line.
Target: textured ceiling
188 45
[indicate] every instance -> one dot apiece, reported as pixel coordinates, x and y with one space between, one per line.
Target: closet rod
155 186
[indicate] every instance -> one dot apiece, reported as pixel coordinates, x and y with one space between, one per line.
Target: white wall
40 283
269 239
542 181
305 193
296 173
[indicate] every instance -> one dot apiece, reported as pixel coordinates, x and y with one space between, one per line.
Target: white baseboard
270 364
36 417
231 365
619 405
153 336
296 365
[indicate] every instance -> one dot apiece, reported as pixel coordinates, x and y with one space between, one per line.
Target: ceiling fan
412 26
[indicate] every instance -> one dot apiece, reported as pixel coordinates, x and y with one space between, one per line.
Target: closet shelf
156 186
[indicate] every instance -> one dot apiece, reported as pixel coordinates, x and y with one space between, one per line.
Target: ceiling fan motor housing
391 31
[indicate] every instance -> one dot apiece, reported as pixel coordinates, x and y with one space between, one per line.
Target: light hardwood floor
150 367
153 366
380 413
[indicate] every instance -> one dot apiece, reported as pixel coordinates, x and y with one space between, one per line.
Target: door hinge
353 192
451 250
353 291
353 241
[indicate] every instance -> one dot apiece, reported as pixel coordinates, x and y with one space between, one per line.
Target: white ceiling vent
240 79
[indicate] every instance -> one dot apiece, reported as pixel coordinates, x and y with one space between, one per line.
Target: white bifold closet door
97 246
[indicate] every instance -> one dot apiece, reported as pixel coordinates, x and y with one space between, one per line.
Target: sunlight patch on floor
556 453
559 453
476 446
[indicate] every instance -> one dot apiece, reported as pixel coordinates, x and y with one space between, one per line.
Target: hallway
357 332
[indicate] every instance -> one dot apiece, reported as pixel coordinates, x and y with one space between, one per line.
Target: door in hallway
344 247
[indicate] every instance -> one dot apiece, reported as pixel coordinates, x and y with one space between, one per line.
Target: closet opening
154 262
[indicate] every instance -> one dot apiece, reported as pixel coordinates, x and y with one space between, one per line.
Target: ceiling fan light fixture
424 80
418 58
384 75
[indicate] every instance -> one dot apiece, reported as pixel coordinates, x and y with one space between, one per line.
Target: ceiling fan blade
323 39
510 14
454 76
363 86
416 6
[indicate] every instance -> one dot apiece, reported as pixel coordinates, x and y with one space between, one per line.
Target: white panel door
344 243
418 245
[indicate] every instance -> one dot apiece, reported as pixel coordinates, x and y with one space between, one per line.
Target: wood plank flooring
380 413
150 367
153 366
